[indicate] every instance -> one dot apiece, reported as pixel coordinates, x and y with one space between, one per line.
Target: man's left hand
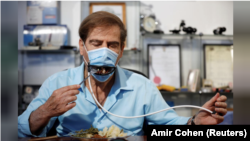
217 104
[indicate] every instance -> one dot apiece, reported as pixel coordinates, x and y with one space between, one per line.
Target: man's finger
71 92
70 87
70 99
218 117
222 111
221 104
212 101
222 98
70 106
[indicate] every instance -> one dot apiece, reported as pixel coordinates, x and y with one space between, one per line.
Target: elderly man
121 92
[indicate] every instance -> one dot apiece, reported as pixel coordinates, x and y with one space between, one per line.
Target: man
119 91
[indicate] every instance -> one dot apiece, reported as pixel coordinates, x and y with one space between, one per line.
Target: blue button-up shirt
131 95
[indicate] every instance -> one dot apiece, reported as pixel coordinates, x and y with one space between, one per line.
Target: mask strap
117 58
84 46
83 55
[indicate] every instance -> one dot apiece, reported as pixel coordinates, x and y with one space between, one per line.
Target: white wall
70 14
204 16
133 26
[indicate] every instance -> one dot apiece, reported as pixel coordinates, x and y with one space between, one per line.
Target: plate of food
113 132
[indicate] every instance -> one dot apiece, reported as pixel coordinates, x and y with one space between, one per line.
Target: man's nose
104 44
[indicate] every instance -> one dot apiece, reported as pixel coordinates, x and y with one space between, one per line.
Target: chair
135 71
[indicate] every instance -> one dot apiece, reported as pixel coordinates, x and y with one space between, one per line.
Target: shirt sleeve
155 102
23 119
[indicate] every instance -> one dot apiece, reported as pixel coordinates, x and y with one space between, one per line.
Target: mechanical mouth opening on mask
102 70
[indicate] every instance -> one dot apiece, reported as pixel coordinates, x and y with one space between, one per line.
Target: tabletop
55 138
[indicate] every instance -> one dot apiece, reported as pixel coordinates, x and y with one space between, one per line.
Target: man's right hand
58 103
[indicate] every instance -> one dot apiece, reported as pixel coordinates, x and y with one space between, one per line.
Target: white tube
192 106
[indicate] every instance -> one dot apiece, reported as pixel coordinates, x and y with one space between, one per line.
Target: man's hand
216 103
57 104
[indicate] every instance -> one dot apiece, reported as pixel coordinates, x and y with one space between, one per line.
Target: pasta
112 132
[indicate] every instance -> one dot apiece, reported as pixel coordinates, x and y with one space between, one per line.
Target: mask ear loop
86 52
88 63
117 58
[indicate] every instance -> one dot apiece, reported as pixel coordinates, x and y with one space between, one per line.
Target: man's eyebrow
95 40
113 42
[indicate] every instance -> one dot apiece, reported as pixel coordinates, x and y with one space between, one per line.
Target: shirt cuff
24 126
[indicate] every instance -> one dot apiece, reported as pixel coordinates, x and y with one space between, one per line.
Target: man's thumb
212 100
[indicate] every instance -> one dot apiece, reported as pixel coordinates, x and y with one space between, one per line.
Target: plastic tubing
180 106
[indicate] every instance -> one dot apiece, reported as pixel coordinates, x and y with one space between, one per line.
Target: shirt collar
121 80
78 75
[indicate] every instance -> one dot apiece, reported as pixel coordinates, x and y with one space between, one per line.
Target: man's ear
120 55
81 46
83 51
122 50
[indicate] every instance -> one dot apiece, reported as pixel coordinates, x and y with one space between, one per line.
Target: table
55 138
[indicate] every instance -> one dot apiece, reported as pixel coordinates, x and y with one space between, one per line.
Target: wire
146 114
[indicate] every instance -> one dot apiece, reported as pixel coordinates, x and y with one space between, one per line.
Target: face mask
102 57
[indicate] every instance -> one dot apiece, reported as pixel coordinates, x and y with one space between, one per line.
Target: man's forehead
101 33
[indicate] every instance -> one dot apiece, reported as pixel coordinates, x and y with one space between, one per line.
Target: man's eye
113 46
96 44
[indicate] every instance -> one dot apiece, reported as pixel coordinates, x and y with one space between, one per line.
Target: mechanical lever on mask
91 71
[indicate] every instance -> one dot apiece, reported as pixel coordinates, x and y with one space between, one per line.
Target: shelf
49 51
184 35
63 50
132 49
187 36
